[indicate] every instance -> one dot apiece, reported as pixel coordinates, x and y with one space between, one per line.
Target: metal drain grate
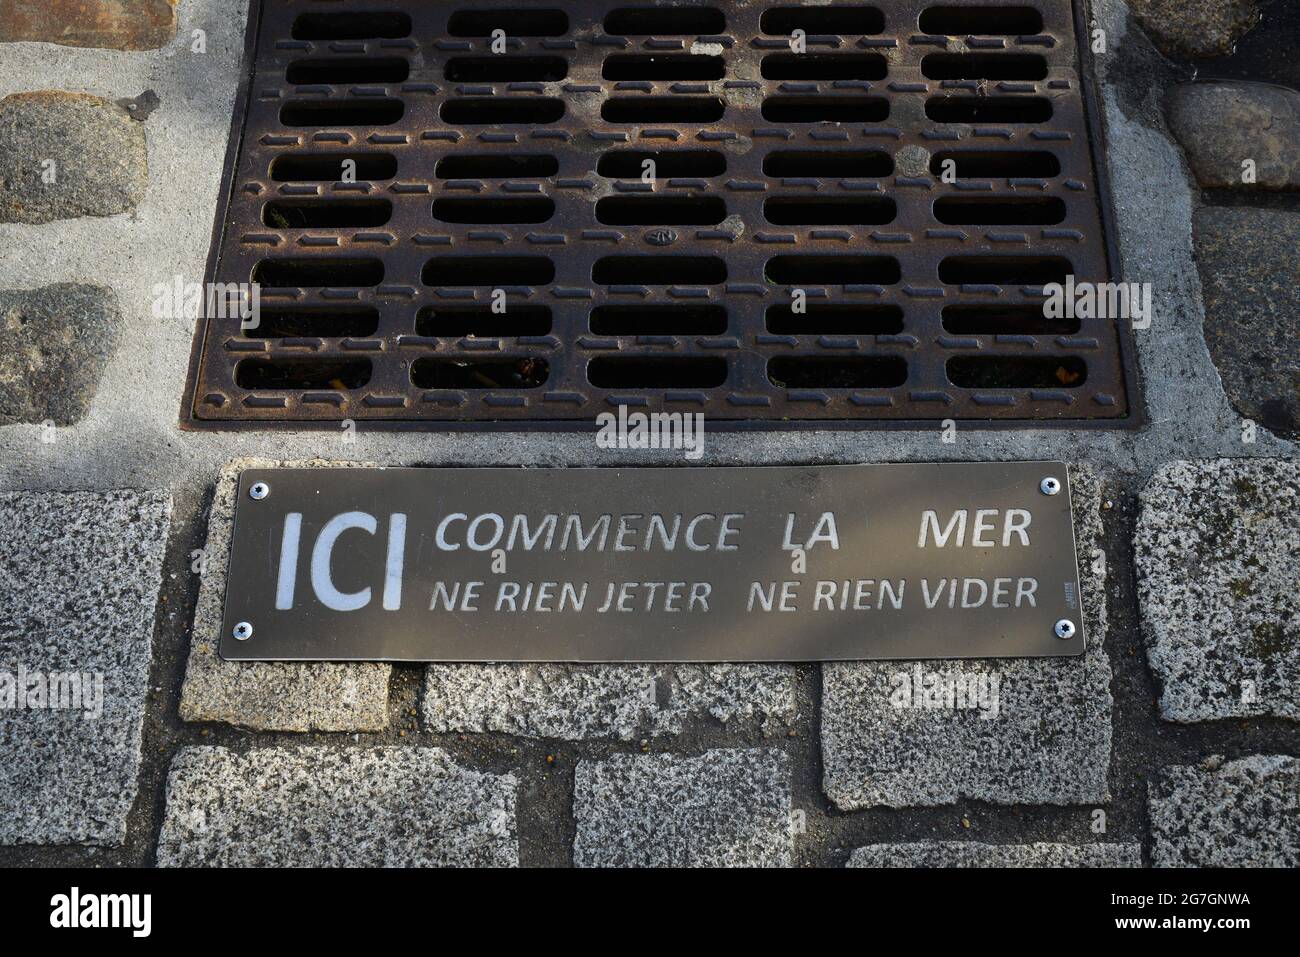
484 177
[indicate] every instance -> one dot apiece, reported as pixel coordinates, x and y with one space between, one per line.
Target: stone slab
970 854
111 24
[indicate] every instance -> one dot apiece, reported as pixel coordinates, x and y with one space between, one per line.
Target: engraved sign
799 563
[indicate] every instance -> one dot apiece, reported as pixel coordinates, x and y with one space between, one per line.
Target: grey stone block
1049 742
1217 552
1243 813
722 809
268 696
79 579
1197 28
320 807
1247 262
54 344
970 854
64 155
593 701
1220 123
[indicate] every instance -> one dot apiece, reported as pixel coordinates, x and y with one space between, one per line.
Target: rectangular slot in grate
777 215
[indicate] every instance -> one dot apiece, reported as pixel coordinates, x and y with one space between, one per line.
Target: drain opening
829 210
348 70
525 372
668 66
326 113
662 109
351 26
833 372
1017 372
1004 270
824 66
331 167
652 372
1009 319
981 21
660 211
325 322
667 164
658 320
297 374
830 164
659 271
999 210
984 66
665 21
327 214
825 319
496 166
825 109
497 271
843 20
515 22
988 109
505 69
318 273
835 270
482 322
493 211
492 110
997 164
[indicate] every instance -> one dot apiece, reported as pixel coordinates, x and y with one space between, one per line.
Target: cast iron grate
516 177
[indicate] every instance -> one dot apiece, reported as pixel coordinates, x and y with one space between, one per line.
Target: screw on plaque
1064 629
1050 485
243 631
259 491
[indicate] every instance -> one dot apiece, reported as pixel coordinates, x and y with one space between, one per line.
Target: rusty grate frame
574 240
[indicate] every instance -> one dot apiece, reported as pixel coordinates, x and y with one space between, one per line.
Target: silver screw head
243 631
1064 629
1050 485
259 491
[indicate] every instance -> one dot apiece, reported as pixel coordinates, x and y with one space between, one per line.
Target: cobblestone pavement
1172 742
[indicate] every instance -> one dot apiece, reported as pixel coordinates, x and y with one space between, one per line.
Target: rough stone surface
112 24
594 701
1221 123
722 809
1049 743
970 854
1217 552
1247 261
1197 28
54 344
268 696
90 147
79 580
317 807
1243 813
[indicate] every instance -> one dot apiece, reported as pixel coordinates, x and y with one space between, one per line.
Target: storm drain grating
473 213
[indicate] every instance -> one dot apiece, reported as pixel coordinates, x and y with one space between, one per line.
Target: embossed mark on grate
793 256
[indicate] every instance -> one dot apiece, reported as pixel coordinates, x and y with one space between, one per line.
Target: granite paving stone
1217 554
971 854
349 807
1222 123
724 808
79 580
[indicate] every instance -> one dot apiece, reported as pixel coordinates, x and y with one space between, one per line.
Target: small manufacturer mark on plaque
817 563
661 237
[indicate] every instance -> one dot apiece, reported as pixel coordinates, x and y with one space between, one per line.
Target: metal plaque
806 563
